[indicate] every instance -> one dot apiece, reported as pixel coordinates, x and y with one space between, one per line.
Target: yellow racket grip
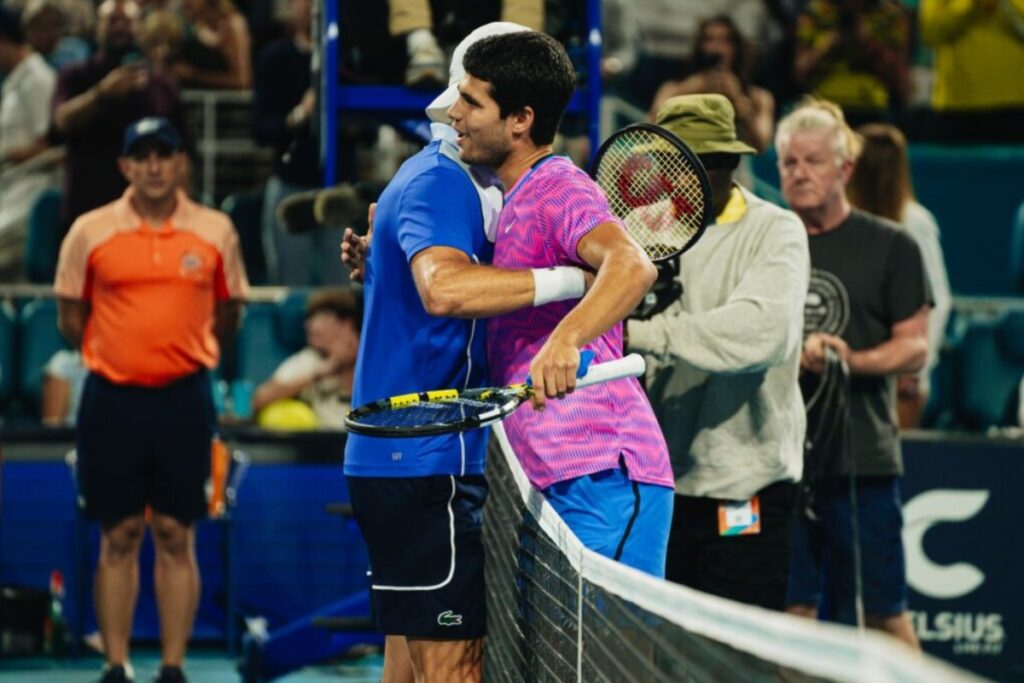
409 399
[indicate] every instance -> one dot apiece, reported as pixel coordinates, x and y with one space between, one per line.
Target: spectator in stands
160 40
427 67
27 88
284 101
24 120
722 370
150 329
619 46
320 375
216 50
63 380
868 307
719 65
978 94
881 185
667 31
854 53
98 99
46 29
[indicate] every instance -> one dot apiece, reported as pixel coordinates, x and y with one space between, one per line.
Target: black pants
752 569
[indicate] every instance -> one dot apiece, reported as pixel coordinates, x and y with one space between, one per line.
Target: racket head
430 413
657 186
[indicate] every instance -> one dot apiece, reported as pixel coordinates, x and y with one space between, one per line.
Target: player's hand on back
553 371
355 248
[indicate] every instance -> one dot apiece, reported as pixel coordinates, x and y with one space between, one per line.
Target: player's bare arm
451 285
624 274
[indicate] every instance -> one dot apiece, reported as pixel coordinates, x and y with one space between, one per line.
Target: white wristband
557 284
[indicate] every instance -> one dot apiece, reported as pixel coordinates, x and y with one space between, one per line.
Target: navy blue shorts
821 552
426 553
140 446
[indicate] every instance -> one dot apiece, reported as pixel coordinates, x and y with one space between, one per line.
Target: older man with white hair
868 309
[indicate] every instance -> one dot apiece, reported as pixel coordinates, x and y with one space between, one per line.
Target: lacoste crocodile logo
449 619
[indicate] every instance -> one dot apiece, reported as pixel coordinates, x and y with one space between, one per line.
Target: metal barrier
229 159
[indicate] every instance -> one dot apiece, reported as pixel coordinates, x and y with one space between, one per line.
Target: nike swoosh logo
509 226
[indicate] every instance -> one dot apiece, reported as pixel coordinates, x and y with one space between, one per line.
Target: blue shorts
426 553
140 446
821 552
614 516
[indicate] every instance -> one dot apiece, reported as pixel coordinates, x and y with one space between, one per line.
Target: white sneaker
427 68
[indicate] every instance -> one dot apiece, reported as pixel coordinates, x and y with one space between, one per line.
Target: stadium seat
992 364
39 340
246 211
270 333
291 317
1017 251
8 365
42 244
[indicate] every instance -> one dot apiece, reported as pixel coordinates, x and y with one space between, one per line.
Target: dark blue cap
151 128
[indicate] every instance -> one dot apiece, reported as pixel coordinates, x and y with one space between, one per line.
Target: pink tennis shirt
552 207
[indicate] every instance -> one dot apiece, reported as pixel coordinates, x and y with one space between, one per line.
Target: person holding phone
719 65
99 98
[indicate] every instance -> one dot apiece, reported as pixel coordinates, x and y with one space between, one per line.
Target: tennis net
561 613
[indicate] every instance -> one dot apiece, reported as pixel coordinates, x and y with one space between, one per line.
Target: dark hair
10 27
342 302
726 161
525 69
701 61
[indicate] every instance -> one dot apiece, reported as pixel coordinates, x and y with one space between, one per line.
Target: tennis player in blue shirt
419 502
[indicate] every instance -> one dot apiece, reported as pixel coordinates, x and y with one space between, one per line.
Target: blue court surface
200 667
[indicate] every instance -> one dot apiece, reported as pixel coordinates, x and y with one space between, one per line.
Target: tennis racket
657 186
452 410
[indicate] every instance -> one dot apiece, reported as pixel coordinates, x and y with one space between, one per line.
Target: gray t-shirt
866 276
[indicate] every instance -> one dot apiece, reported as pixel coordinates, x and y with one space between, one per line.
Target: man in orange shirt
149 287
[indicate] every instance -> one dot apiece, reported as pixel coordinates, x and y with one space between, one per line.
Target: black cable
833 392
851 463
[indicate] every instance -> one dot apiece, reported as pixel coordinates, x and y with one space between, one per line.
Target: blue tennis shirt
431 202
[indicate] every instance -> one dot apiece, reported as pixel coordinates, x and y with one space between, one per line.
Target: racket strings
655 189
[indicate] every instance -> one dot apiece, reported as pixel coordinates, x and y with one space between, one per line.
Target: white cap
438 109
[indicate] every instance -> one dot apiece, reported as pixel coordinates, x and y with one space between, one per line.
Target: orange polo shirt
151 290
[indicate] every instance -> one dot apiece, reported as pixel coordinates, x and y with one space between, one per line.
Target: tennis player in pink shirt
598 455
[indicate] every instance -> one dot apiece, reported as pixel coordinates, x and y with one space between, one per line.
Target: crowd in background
75 73
935 69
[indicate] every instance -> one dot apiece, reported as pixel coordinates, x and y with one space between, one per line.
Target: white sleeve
925 231
758 327
38 101
301 365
